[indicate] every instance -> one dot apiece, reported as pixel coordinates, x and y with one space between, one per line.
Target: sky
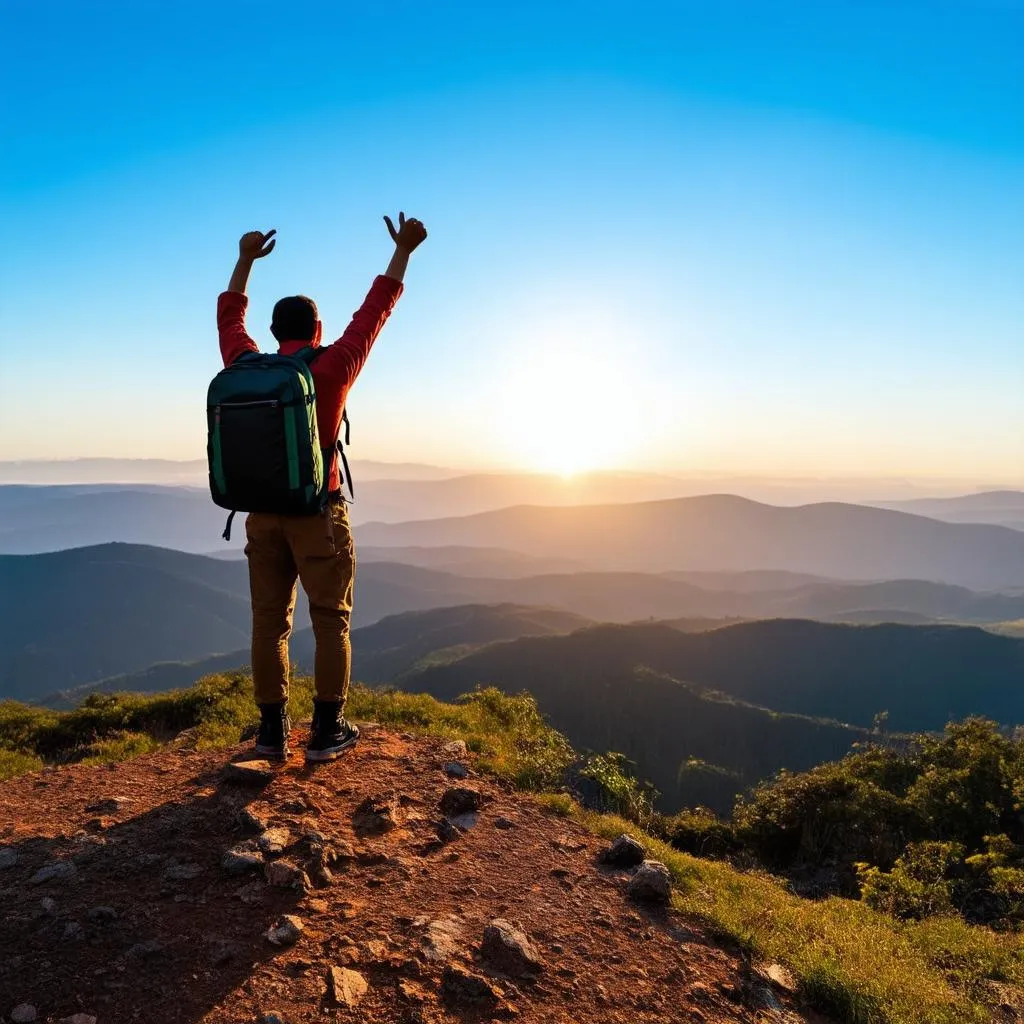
740 236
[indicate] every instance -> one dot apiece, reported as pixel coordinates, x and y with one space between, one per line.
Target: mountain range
923 676
75 617
724 532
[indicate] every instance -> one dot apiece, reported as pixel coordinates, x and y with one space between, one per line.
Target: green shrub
617 789
920 883
698 831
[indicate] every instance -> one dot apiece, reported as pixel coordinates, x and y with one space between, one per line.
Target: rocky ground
393 885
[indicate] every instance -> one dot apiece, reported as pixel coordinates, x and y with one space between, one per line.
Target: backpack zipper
246 405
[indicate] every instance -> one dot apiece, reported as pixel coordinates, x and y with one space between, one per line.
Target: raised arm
343 360
253 245
234 339
410 234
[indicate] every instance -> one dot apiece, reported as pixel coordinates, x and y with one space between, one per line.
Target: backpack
263 448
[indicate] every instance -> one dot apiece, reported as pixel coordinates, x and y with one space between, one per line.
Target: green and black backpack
263 448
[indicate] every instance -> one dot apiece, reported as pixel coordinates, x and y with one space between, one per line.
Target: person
315 550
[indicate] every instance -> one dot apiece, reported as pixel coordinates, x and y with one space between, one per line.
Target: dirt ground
117 901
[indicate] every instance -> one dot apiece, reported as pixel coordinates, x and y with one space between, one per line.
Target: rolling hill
381 653
179 513
922 675
80 616
1002 508
722 532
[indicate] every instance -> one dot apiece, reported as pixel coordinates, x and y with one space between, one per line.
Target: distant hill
922 675
697 747
83 615
723 532
151 502
381 653
496 563
169 472
1001 508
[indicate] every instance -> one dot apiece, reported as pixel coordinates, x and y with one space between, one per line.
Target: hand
410 232
254 245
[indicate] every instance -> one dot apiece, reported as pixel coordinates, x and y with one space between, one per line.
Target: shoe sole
277 753
331 753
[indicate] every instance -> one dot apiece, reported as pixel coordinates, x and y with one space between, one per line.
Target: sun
573 413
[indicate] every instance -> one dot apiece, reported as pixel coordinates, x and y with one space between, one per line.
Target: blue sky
739 237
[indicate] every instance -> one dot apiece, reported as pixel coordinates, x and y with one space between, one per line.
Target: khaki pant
318 552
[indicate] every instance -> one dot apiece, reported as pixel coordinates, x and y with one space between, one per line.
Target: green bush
698 831
617 790
920 883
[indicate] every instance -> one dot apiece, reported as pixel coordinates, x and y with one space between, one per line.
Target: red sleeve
342 361
234 341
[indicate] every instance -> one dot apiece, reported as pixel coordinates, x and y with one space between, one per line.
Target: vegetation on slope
855 961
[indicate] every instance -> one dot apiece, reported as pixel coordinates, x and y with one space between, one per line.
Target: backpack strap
309 355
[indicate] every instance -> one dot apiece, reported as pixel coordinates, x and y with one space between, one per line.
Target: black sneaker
329 734
272 738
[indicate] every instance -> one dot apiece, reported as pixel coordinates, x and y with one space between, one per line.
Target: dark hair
294 319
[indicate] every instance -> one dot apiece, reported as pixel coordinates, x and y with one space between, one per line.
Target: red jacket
336 370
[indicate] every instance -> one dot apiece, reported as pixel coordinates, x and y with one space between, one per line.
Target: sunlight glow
575 403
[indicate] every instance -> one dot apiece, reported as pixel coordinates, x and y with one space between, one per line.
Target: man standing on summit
315 548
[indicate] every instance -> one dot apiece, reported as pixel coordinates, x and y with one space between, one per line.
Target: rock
252 892
377 814
274 840
781 977
145 950
284 874
248 773
460 800
23 1014
8 858
79 1018
111 805
253 817
442 939
448 831
286 932
456 770
271 1017
508 949
651 883
321 876
241 858
455 749
48 906
53 872
182 872
462 987
504 823
73 930
101 915
625 852
345 987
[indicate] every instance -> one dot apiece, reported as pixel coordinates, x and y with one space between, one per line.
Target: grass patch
14 763
508 734
122 747
856 963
